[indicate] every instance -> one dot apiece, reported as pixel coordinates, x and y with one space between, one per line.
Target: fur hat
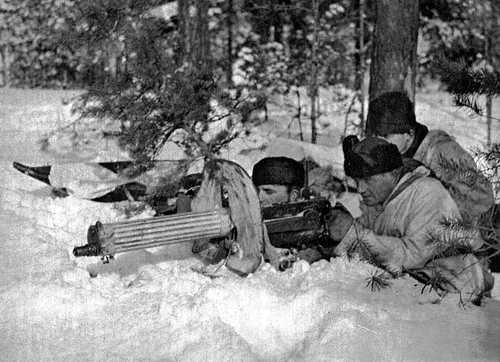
370 157
390 113
278 171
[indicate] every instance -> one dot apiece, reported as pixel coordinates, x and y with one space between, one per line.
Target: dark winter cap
371 156
278 171
391 112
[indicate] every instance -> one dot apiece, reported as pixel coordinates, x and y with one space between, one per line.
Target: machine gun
296 225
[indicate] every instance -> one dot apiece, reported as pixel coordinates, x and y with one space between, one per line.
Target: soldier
405 226
391 116
278 180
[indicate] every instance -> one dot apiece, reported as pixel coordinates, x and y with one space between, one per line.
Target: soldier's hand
339 221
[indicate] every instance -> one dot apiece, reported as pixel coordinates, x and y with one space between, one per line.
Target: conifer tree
162 87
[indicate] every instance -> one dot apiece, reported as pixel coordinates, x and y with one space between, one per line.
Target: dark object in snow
124 192
40 173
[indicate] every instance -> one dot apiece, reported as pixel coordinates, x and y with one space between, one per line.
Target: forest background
159 66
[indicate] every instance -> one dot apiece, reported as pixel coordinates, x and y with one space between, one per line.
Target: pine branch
462 80
470 102
490 161
377 281
437 283
453 237
490 155
459 172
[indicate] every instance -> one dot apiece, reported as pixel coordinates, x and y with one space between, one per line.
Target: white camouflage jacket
409 234
457 170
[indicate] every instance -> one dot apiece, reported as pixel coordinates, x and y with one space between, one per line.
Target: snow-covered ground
151 306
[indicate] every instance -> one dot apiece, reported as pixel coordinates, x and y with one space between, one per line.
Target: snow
151 305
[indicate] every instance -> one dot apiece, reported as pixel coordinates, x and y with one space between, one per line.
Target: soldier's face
273 194
377 188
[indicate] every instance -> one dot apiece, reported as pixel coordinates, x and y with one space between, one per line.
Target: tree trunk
313 82
298 115
181 42
275 29
184 33
229 60
6 64
488 120
394 51
201 43
357 45
490 32
487 52
194 39
2 67
361 75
